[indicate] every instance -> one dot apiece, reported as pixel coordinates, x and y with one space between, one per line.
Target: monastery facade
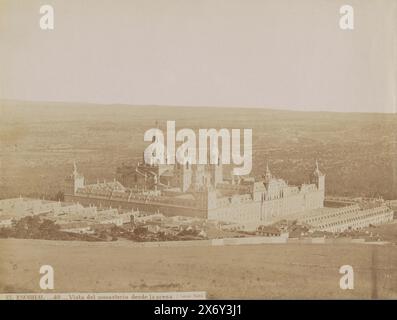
199 191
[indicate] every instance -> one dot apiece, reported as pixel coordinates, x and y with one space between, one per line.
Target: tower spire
318 178
268 174
317 170
74 167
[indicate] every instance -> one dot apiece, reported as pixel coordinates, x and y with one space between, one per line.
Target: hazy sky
272 53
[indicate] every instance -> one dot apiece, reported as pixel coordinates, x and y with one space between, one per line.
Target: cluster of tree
58 196
141 234
136 234
34 227
188 234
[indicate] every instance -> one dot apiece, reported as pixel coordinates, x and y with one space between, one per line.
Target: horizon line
282 109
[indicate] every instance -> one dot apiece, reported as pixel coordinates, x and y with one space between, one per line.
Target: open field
256 271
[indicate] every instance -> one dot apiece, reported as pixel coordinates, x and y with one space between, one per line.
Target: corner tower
73 182
318 178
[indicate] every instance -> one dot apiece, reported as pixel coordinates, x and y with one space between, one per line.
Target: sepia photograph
198 150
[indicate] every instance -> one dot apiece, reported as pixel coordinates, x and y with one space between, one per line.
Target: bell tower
216 171
318 178
73 181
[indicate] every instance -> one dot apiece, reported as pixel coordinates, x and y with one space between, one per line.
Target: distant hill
40 140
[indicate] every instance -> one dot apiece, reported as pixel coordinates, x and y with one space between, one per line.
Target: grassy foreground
255 271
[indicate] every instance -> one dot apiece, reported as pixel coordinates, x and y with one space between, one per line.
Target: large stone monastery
201 191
